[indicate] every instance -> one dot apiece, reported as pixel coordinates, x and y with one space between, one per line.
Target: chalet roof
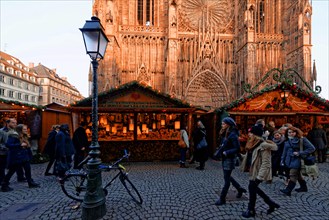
269 101
134 95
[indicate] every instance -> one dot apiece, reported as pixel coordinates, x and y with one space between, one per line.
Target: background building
54 88
33 85
17 81
203 51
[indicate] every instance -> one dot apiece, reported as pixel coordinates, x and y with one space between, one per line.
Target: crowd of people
16 154
269 152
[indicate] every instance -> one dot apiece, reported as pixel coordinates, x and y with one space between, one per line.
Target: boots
220 202
272 207
240 192
182 165
249 213
303 186
5 187
289 188
33 184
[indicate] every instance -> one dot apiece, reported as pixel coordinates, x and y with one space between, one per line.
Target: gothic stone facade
203 51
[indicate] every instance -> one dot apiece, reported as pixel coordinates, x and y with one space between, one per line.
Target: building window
11 81
2 92
33 99
19 84
19 96
26 97
145 12
2 78
11 94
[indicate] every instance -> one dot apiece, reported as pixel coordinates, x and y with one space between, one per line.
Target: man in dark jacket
318 138
64 150
80 142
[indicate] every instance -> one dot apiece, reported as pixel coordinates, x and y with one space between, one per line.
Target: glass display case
135 126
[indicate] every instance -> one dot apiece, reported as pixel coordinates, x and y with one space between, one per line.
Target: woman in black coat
200 153
229 149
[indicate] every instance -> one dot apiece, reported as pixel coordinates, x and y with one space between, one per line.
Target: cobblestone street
168 192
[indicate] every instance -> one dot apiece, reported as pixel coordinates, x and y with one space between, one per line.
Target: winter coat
50 146
200 154
64 146
16 154
80 140
318 138
288 158
229 149
3 139
261 166
184 136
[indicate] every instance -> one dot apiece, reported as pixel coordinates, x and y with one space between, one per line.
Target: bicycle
74 183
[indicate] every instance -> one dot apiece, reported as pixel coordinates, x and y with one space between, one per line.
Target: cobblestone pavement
169 192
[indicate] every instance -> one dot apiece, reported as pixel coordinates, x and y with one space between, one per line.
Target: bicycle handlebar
126 155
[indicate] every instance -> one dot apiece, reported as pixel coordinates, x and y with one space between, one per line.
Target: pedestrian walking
258 163
229 149
185 147
80 142
19 155
292 156
279 140
317 136
64 150
50 148
200 145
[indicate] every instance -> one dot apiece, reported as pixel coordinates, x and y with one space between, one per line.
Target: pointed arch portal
207 89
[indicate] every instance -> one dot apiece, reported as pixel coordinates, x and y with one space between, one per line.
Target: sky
47 32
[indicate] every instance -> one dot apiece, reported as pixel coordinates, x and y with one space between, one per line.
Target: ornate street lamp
93 206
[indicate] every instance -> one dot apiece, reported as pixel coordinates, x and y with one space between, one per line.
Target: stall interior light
177 125
284 93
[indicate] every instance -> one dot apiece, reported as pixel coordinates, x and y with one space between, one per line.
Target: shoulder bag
181 142
308 168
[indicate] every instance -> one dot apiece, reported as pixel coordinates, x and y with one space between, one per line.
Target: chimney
31 65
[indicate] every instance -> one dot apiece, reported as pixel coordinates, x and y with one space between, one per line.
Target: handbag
181 142
308 165
202 144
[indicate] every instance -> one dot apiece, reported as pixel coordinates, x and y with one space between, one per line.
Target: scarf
252 142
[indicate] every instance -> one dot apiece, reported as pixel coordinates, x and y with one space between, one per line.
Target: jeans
228 179
182 159
13 168
253 191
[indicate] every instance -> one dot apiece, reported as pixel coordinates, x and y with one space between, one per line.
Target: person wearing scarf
230 146
258 163
291 158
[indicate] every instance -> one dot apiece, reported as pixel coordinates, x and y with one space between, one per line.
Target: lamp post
93 206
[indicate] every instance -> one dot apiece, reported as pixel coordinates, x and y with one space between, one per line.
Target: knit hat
257 130
229 121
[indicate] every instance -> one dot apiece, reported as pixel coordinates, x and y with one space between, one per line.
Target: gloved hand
258 181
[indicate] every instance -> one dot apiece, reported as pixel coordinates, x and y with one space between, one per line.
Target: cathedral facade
203 51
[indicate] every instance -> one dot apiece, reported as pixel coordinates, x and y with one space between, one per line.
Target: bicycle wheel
131 189
75 186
